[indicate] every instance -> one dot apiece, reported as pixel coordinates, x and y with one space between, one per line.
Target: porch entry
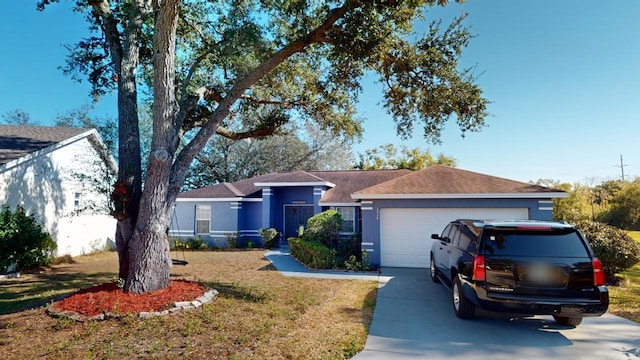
294 216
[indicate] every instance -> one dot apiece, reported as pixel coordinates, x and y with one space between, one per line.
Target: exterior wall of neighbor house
49 184
539 209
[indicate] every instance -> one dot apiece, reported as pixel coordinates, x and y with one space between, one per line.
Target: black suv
524 267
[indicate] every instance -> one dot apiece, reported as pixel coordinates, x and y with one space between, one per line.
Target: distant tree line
612 202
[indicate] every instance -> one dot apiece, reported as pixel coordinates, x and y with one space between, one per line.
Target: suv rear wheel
463 308
433 271
567 320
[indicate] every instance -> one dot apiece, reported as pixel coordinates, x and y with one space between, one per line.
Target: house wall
45 183
539 209
228 218
250 221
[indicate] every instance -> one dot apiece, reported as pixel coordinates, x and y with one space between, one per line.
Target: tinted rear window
533 243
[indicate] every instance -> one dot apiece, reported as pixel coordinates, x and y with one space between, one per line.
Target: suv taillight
478 268
598 272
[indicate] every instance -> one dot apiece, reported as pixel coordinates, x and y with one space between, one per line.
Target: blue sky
563 78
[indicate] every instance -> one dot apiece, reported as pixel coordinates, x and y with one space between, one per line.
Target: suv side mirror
435 236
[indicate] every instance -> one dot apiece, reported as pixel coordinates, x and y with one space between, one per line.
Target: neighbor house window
348 218
203 219
76 201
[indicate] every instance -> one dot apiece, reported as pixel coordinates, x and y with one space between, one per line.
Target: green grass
625 298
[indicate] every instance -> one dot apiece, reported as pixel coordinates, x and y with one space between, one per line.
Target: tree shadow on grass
40 289
237 291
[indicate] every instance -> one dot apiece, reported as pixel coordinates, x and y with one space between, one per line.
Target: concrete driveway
413 319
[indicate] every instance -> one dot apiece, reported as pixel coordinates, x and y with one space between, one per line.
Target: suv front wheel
433 271
463 308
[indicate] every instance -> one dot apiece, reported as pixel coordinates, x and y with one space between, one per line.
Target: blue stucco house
395 211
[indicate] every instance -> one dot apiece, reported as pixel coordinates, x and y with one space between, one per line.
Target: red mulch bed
109 298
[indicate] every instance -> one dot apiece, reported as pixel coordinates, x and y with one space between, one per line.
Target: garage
405 233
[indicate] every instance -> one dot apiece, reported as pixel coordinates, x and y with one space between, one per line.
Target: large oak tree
243 68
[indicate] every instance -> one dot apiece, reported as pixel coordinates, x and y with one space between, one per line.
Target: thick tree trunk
149 257
149 260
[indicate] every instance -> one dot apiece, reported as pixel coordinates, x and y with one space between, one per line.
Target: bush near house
617 250
311 253
324 228
269 237
23 241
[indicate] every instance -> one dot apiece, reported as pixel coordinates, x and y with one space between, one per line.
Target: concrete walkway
288 266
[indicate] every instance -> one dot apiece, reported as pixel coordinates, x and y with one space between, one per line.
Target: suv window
455 234
533 243
445 233
467 239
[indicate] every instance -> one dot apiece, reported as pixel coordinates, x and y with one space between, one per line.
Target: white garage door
405 234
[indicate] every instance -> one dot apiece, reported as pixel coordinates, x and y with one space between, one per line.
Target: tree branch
253 133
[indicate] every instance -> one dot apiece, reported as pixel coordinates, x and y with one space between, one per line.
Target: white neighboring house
53 173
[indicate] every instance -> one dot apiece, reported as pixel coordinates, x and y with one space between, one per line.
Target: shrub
350 246
23 241
352 262
232 240
195 244
616 250
313 254
324 228
269 237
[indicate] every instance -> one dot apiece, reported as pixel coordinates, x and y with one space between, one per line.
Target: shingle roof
439 180
242 188
346 181
294 177
349 181
18 141
434 180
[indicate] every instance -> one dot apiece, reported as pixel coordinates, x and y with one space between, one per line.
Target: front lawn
635 235
258 314
625 299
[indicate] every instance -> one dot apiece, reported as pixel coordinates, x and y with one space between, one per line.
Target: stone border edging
178 306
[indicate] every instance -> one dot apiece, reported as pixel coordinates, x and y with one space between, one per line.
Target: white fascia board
208 199
548 195
237 199
339 204
282 184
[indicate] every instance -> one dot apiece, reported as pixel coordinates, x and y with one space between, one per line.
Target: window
203 219
76 201
560 243
445 233
348 218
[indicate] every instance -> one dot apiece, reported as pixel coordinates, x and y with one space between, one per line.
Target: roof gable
19 141
444 181
297 178
350 181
